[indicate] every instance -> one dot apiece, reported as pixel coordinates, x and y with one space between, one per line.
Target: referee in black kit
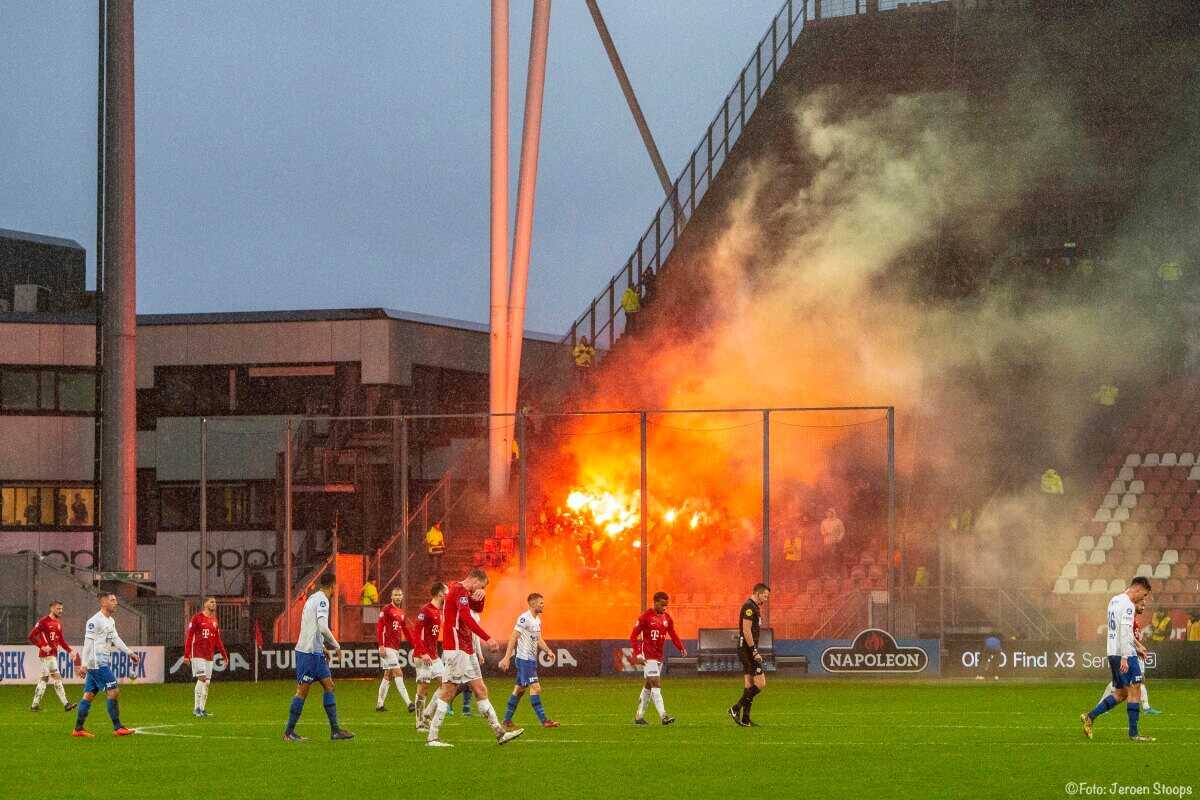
749 625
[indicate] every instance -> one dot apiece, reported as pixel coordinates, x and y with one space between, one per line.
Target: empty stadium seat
1070 572
1062 586
1151 460
1126 474
1162 572
1117 487
1102 515
1194 475
1187 459
1112 529
1097 557
1085 543
1104 543
1081 586
1170 557
1182 570
1110 501
1099 585
1078 557
1130 500
1137 487
1169 460
1121 515
1116 586
1144 571
1133 460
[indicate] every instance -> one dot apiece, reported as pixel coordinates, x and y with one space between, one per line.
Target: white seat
1085 543
1151 460
1171 557
1078 557
1187 459
1162 572
1137 487
1099 585
1117 586
1102 515
1097 557
1081 586
1130 500
1194 475
1121 515
1169 460
1062 586
1117 487
1112 529
1126 474
1110 501
1144 571
1070 572
1133 460
1104 543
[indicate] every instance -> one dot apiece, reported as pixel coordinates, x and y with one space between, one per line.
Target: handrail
601 319
313 577
847 599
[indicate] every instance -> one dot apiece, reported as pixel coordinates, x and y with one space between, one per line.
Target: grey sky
316 155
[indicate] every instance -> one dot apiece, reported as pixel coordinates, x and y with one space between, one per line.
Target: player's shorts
99 680
653 669
311 667
526 671
436 669
461 667
202 667
750 665
49 666
1131 678
391 658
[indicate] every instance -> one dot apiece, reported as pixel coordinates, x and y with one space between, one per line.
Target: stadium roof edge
39 238
236 317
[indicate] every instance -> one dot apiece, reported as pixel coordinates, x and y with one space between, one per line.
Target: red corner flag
258 635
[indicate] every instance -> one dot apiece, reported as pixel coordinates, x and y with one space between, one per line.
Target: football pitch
818 738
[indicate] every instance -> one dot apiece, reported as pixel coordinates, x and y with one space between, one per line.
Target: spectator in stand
1160 626
583 353
79 510
921 579
31 511
60 509
832 534
792 548
1193 628
435 545
1052 482
1107 395
631 304
649 278
370 595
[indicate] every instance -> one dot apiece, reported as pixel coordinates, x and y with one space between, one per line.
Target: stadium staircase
1145 514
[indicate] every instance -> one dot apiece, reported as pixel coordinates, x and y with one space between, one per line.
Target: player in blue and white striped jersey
526 642
311 662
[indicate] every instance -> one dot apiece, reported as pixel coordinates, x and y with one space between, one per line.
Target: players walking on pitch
388 630
753 678
200 646
1139 609
312 663
649 638
1123 660
526 641
462 667
47 636
99 640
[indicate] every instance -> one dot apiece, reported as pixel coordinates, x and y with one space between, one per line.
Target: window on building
47 506
47 390
179 507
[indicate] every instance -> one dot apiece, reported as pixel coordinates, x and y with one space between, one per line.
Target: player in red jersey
426 628
200 646
389 630
47 637
462 667
649 637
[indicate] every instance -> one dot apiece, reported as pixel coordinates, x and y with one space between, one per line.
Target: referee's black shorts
750 665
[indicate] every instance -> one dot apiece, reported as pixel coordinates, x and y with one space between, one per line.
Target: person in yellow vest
370 595
791 548
1107 396
583 353
921 579
1193 628
1170 272
1160 626
435 545
1052 482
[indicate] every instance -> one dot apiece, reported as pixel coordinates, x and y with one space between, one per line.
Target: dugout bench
716 653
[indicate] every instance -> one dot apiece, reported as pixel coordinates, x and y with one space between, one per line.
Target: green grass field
824 738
